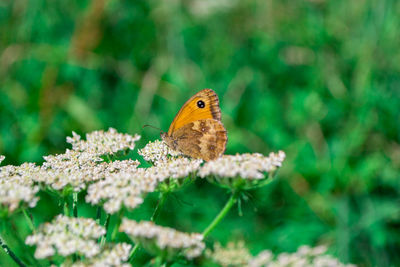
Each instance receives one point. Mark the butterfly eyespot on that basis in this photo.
(201, 104)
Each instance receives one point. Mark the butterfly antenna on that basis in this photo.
(147, 125)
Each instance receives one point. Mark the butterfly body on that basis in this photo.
(197, 130)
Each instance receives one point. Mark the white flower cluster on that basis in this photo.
(116, 256)
(264, 258)
(71, 168)
(128, 187)
(169, 240)
(2, 158)
(246, 166)
(17, 185)
(304, 256)
(117, 166)
(235, 254)
(157, 151)
(238, 255)
(65, 236)
(175, 168)
(100, 143)
(82, 164)
(77, 169)
(124, 188)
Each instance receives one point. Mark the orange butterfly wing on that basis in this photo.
(197, 130)
(203, 105)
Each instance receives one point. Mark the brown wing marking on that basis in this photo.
(204, 139)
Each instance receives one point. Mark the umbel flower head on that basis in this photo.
(76, 170)
(128, 188)
(157, 151)
(112, 256)
(164, 241)
(242, 171)
(17, 186)
(103, 143)
(83, 165)
(66, 236)
(236, 254)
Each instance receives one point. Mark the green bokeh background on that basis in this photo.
(318, 79)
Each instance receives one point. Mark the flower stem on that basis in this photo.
(66, 212)
(9, 252)
(117, 224)
(25, 257)
(74, 204)
(98, 214)
(104, 237)
(29, 220)
(160, 203)
(133, 251)
(232, 200)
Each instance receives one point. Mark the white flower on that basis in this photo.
(78, 169)
(246, 166)
(129, 187)
(235, 254)
(115, 256)
(242, 171)
(17, 185)
(262, 259)
(122, 188)
(305, 256)
(238, 255)
(66, 236)
(157, 151)
(83, 165)
(165, 239)
(101, 143)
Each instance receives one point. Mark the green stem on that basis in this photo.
(133, 251)
(104, 237)
(66, 212)
(74, 204)
(25, 257)
(117, 224)
(29, 220)
(232, 200)
(9, 252)
(160, 203)
(160, 262)
(98, 214)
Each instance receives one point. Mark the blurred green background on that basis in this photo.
(318, 79)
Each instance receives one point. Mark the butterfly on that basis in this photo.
(197, 130)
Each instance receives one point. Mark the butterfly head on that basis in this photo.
(163, 135)
(169, 140)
